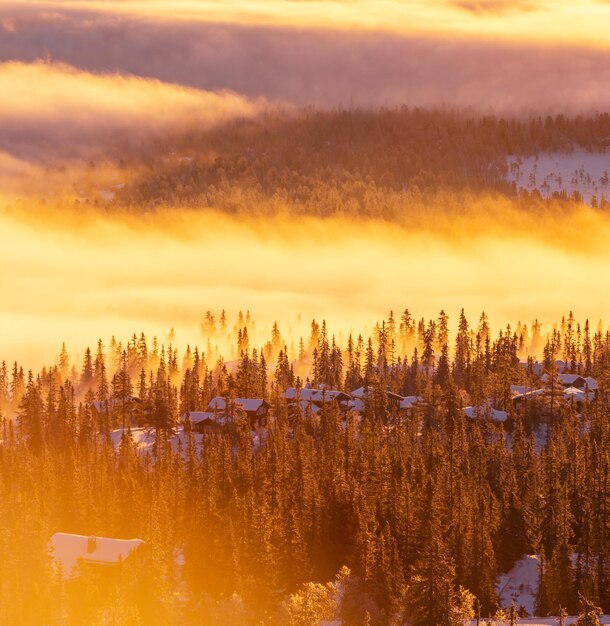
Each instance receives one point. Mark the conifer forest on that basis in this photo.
(304, 313)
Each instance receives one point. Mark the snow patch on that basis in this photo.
(520, 584)
(579, 171)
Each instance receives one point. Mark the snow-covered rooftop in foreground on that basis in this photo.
(202, 416)
(67, 549)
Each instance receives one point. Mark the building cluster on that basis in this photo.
(308, 401)
(550, 391)
(301, 402)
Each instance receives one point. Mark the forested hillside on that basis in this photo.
(366, 163)
(395, 507)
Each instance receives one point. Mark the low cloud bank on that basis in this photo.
(53, 112)
(318, 65)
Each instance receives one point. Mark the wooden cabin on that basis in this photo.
(203, 421)
(309, 401)
(256, 409)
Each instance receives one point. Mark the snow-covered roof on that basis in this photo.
(529, 394)
(565, 379)
(356, 405)
(578, 395)
(201, 416)
(537, 368)
(408, 401)
(67, 549)
(359, 393)
(591, 383)
(315, 395)
(219, 403)
(517, 390)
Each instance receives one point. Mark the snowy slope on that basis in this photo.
(585, 172)
(538, 621)
(520, 584)
(144, 438)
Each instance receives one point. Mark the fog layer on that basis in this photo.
(78, 276)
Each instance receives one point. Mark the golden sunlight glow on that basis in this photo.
(90, 275)
(550, 21)
(42, 96)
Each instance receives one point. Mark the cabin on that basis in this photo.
(256, 409)
(568, 380)
(394, 399)
(299, 398)
(203, 421)
(591, 383)
(409, 404)
(531, 396)
(576, 396)
(69, 551)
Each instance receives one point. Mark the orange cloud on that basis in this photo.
(494, 7)
(564, 21)
(332, 67)
(54, 111)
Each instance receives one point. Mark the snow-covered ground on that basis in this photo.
(144, 438)
(520, 584)
(537, 621)
(585, 172)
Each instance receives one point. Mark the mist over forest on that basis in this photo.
(304, 313)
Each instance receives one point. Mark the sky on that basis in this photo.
(88, 80)
(501, 54)
(551, 21)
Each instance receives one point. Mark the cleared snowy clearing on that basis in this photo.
(144, 438)
(537, 621)
(578, 171)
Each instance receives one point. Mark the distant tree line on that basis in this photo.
(369, 163)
